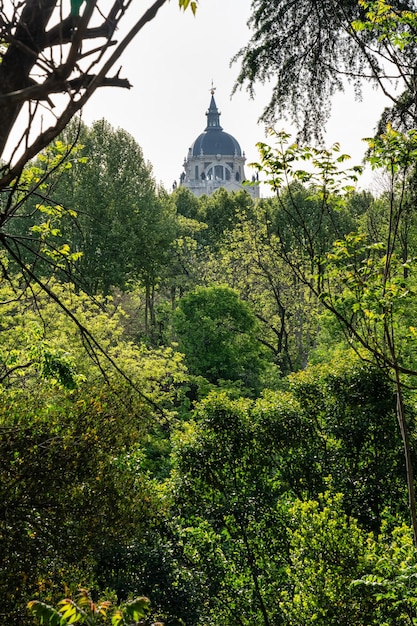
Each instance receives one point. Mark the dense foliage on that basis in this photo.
(240, 463)
(210, 402)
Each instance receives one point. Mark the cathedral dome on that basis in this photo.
(214, 141)
(215, 160)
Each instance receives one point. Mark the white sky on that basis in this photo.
(171, 65)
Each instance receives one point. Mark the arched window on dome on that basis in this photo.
(218, 172)
(196, 172)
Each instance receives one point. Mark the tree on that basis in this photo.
(48, 47)
(70, 487)
(73, 477)
(227, 507)
(220, 211)
(216, 331)
(123, 226)
(357, 442)
(367, 284)
(246, 259)
(327, 552)
(312, 48)
(392, 559)
(364, 284)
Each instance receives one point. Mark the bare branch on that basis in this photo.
(29, 40)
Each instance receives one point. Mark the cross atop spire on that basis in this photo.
(213, 114)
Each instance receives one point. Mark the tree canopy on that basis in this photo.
(309, 50)
(240, 445)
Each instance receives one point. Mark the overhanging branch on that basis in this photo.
(75, 105)
(50, 86)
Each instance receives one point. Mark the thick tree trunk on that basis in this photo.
(20, 57)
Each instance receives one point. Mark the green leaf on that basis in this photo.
(138, 608)
(184, 4)
(117, 618)
(45, 613)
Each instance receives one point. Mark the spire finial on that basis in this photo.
(213, 114)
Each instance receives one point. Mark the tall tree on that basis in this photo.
(123, 225)
(310, 49)
(364, 284)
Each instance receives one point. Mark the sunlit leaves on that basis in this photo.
(281, 165)
(33, 221)
(135, 610)
(393, 560)
(45, 613)
(185, 4)
(83, 610)
(367, 284)
(40, 341)
(326, 554)
(390, 24)
(376, 294)
(393, 150)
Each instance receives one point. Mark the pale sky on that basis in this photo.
(172, 64)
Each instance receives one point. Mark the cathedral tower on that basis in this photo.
(215, 160)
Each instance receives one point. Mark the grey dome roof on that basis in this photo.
(214, 140)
